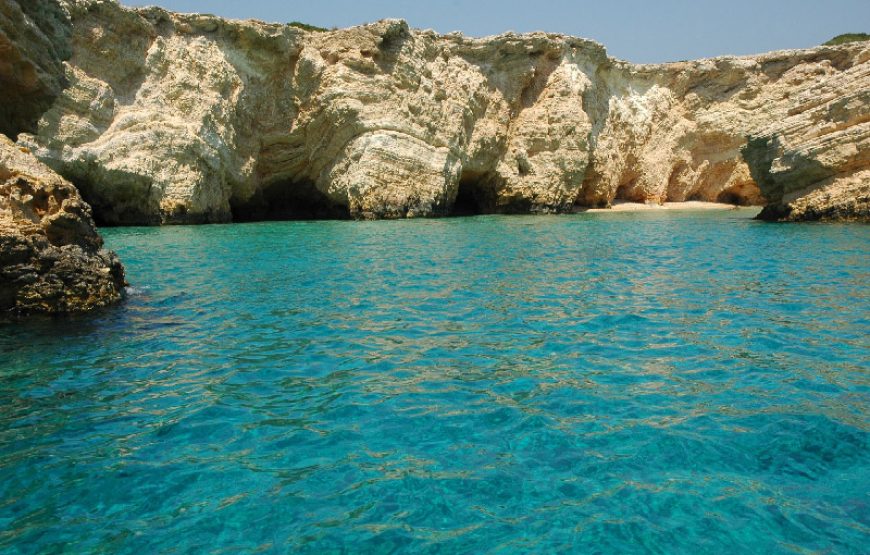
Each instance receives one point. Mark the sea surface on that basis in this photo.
(659, 382)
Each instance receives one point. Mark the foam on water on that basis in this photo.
(665, 382)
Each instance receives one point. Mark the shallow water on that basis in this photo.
(659, 382)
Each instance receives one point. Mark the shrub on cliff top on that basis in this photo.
(307, 27)
(846, 38)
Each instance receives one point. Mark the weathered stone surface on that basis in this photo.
(50, 257)
(814, 164)
(173, 118)
(34, 39)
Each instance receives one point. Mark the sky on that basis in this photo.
(642, 31)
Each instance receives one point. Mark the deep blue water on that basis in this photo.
(665, 382)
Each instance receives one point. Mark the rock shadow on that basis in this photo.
(288, 200)
(802, 174)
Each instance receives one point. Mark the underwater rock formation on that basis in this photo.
(171, 118)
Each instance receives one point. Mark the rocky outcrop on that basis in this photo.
(814, 164)
(171, 118)
(50, 253)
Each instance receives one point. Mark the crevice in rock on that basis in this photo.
(390, 46)
(288, 200)
(532, 92)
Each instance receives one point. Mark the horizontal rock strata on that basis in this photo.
(50, 253)
(170, 118)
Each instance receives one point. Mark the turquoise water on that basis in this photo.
(666, 383)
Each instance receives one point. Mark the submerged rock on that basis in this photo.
(172, 118)
(50, 252)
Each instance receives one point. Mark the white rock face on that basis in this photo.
(187, 118)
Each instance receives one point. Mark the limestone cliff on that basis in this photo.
(171, 118)
(50, 253)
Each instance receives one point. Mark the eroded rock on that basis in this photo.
(814, 164)
(172, 118)
(50, 252)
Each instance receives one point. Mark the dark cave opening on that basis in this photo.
(733, 197)
(127, 202)
(627, 191)
(474, 196)
(288, 200)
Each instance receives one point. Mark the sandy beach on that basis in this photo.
(641, 206)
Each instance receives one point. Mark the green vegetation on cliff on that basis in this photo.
(307, 27)
(846, 38)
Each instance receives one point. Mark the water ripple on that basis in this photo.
(668, 383)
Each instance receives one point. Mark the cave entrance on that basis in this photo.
(288, 200)
(475, 195)
(746, 194)
(128, 201)
(731, 197)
